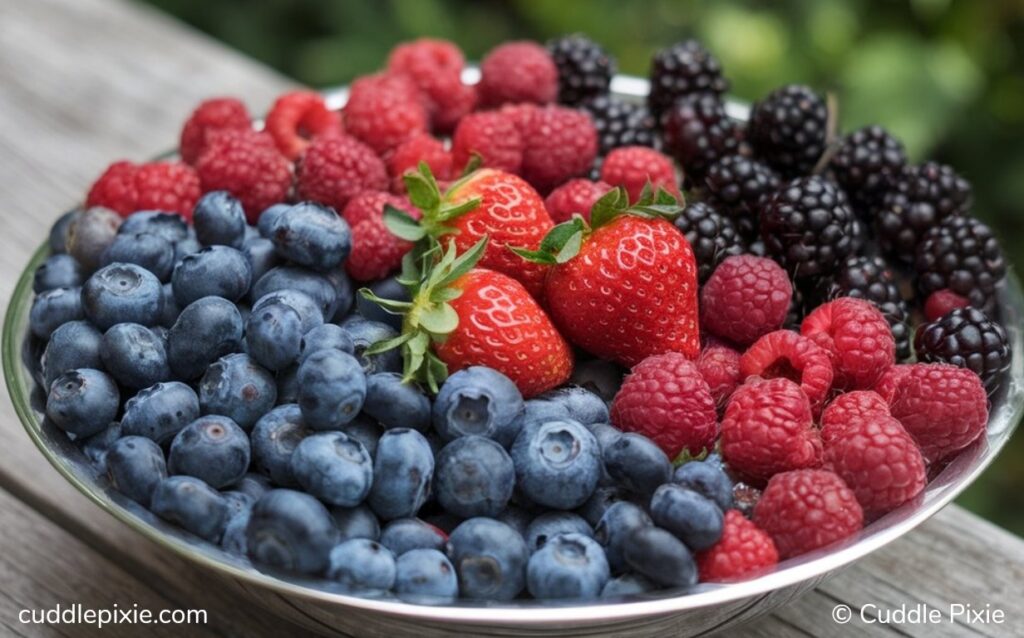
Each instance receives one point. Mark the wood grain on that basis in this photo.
(83, 82)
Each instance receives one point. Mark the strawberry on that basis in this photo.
(484, 203)
(623, 287)
(461, 315)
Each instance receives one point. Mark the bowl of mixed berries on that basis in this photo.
(520, 347)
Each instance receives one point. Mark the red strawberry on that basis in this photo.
(463, 316)
(623, 287)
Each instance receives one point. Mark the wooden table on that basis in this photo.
(83, 82)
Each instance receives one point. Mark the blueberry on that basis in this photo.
(135, 465)
(302, 303)
(216, 271)
(362, 564)
(385, 289)
(290, 277)
(274, 438)
(490, 559)
(406, 534)
(517, 517)
(134, 355)
(83, 401)
(237, 387)
(356, 522)
(58, 271)
(311, 235)
(54, 308)
(474, 477)
(261, 255)
(75, 344)
(402, 470)
(273, 336)
(288, 385)
(122, 293)
(185, 247)
(212, 448)
(567, 566)
(627, 585)
(637, 463)
(425, 576)
(396, 404)
(603, 497)
(255, 485)
(96, 446)
(557, 463)
(366, 333)
(708, 479)
(161, 411)
(326, 337)
(268, 217)
(478, 400)
(605, 434)
(170, 308)
(331, 390)
(191, 504)
(366, 431)
(581, 404)
(601, 377)
(551, 524)
(58, 238)
(205, 331)
(334, 468)
(169, 226)
(694, 519)
(237, 502)
(344, 293)
(615, 529)
(661, 557)
(291, 530)
(219, 219)
(89, 234)
(233, 538)
(146, 250)
(536, 411)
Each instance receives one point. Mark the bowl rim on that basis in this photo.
(941, 490)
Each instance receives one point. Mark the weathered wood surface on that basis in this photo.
(83, 82)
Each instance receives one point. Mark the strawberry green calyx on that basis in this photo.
(429, 318)
(563, 242)
(437, 209)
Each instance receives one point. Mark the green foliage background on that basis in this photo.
(946, 76)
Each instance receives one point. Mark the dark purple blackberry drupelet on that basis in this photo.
(584, 68)
(871, 278)
(963, 255)
(738, 186)
(698, 133)
(685, 68)
(712, 236)
(621, 123)
(866, 163)
(967, 338)
(788, 129)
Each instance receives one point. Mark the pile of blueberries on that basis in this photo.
(216, 374)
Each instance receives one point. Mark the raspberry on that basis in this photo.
(494, 136)
(745, 298)
(419, 148)
(375, 251)
(435, 66)
(784, 353)
(211, 115)
(768, 428)
(744, 549)
(247, 165)
(633, 166)
(666, 399)
(384, 110)
(943, 407)
(298, 116)
(574, 196)
(848, 408)
(126, 187)
(558, 143)
(335, 169)
(857, 338)
(804, 510)
(878, 460)
(720, 366)
(517, 72)
(943, 302)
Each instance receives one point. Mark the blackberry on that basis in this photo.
(921, 197)
(961, 254)
(866, 163)
(698, 133)
(685, 68)
(584, 68)
(871, 279)
(967, 338)
(808, 227)
(739, 186)
(621, 123)
(711, 234)
(788, 129)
